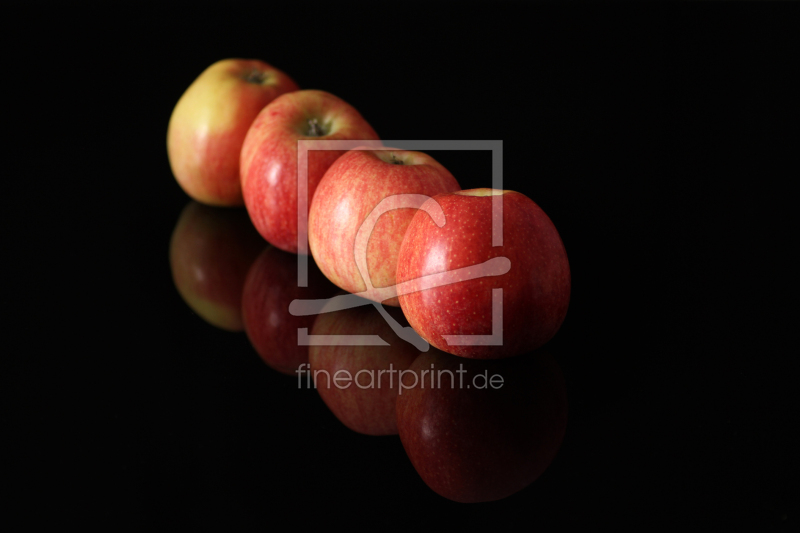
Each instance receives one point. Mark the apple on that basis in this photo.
(269, 162)
(478, 430)
(209, 123)
(360, 383)
(535, 284)
(210, 252)
(270, 286)
(348, 192)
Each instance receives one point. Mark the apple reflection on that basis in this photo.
(359, 383)
(270, 287)
(210, 252)
(481, 430)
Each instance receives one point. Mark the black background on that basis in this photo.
(655, 138)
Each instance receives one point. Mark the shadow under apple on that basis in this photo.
(210, 252)
(270, 287)
(479, 430)
(359, 383)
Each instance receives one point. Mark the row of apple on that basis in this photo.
(480, 273)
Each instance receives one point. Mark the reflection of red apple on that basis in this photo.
(473, 444)
(269, 157)
(535, 291)
(210, 252)
(209, 123)
(270, 287)
(366, 401)
(356, 183)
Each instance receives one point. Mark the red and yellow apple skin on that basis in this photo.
(536, 289)
(473, 441)
(210, 253)
(209, 124)
(369, 406)
(269, 157)
(351, 188)
(270, 287)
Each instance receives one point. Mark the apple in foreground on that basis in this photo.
(209, 124)
(210, 253)
(535, 287)
(479, 431)
(270, 287)
(269, 158)
(350, 190)
(360, 383)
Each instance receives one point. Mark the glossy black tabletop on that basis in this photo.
(648, 135)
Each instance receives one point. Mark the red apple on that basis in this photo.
(269, 162)
(270, 287)
(210, 252)
(479, 431)
(359, 383)
(533, 302)
(209, 123)
(350, 190)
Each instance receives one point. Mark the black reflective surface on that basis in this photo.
(652, 137)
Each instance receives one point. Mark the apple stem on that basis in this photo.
(396, 161)
(255, 76)
(315, 128)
